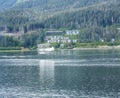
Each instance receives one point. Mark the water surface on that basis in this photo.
(60, 74)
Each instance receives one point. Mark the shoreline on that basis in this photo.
(98, 48)
(77, 48)
(22, 50)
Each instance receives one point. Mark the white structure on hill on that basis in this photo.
(72, 32)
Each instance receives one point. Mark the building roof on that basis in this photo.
(54, 32)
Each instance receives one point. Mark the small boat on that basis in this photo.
(45, 48)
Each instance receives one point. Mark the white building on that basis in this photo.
(57, 39)
(50, 33)
(72, 32)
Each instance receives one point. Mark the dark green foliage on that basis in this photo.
(10, 48)
(6, 41)
(55, 45)
(27, 40)
(30, 40)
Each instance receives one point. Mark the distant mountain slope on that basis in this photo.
(39, 9)
(58, 4)
(47, 4)
(42, 9)
(59, 13)
(100, 15)
(7, 4)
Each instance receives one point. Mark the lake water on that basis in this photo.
(60, 74)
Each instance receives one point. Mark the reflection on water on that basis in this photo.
(61, 74)
(47, 72)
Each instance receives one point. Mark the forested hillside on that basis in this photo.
(95, 23)
(32, 17)
(95, 19)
